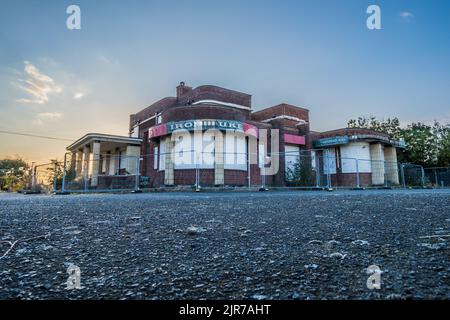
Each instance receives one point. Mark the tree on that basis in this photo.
(55, 172)
(301, 173)
(13, 174)
(389, 126)
(427, 145)
(444, 152)
(422, 143)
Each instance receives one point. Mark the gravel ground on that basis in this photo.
(276, 245)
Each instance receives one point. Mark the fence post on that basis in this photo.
(136, 179)
(55, 176)
(436, 178)
(316, 160)
(33, 176)
(423, 176)
(263, 178)
(328, 169)
(64, 174)
(197, 172)
(249, 173)
(85, 174)
(262, 166)
(402, 171)
(358, 183)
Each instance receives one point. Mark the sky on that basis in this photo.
(128, 54)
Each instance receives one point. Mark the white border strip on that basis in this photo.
(226, 104)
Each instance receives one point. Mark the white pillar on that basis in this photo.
(169, 179)
(390, 155)
(95, 163)
(377, 163)
(79, 164)
(71, 165)
(86, 162)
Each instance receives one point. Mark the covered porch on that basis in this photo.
(98, 159)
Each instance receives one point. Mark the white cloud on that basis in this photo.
(45, 117)
(406, 15)
(30, 101)
(78, 95)
(38, 85)
(108, 60)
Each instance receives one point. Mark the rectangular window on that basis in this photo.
(193, 150)
(162, 155)
(313, 159)
(208, 145)
(155, 158)
(158, 118)
(135, 132)
(329, 161)
(235, 151)
(261, 156)
(338, 158)
(353, 152)
(291, 158)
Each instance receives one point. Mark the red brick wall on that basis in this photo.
(209, 92)
(282, 109)
(204, 112)
(186, 177)
(349, 179)
(150, 111)
(236, 178)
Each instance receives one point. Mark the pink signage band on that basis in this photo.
(157, 131)
(162, 130)
(293, 139)
(251, 130)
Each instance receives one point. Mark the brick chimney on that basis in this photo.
(182, 89)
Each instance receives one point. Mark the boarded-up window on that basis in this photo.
(235, 151)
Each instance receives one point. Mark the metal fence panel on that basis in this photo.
(307, 169)
(437, 177)
(108, 173)
(412, 175)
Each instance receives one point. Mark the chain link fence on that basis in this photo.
(326, 171)
(108, 173)
(438, 177)
(312, 169)
(412, 175)
(43, 178)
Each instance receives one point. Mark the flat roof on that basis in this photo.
(87, 138)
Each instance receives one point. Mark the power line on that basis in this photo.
(34, 135)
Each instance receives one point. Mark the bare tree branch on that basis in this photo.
(12, 244)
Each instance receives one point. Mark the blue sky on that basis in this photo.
(128, 54)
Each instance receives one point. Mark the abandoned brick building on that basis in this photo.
(240, 156)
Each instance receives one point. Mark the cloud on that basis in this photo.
(108, 60)
(406, 15)
(78, 95)
(37, 84)
(45, 117)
